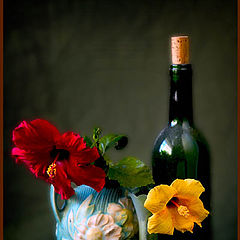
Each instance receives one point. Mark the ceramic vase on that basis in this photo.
(110, 214)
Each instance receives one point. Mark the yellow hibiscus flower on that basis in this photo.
(176, 206)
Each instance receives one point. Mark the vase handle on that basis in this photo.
(58, 212)
(142, 214)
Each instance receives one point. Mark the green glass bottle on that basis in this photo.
(180, 150)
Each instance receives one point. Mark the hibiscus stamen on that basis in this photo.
(182, 210)
(51, 171)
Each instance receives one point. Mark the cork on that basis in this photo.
(180, 50)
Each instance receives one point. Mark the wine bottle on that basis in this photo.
(180, 150)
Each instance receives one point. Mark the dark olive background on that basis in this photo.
(81, 64)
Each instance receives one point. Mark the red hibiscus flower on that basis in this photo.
(55, 158)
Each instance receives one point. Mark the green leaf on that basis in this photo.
(88, 141)
(107, 159)
(130, 172)
(112, 140)
(96, 133)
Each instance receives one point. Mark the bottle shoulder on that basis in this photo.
(179, 137)
(174, 131)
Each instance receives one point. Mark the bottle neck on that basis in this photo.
(181, 93)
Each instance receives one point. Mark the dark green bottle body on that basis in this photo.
(180, 151)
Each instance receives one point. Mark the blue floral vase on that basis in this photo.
(110, 214)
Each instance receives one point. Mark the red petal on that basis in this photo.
(37, 135)
(36, 163)
(71, 141)
(86, 156)
(61, 183)
(76, 146)
(89, 175)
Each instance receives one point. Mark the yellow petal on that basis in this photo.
(161, 222)
(197, 210)
(158, 197)
(181, 223)
(188, 187)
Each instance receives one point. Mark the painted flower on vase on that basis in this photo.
(176, 206)
(98, 227)
(124, 215)
(58, 159)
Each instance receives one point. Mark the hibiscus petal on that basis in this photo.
(36, 163)
(180, 222)
(158, 197)
(61, 183)
(86, 156)
(197, 210)
(71, 141)
(36, 135)
(188, 187)
(76, 146)
(89, 175)
(161, 222)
